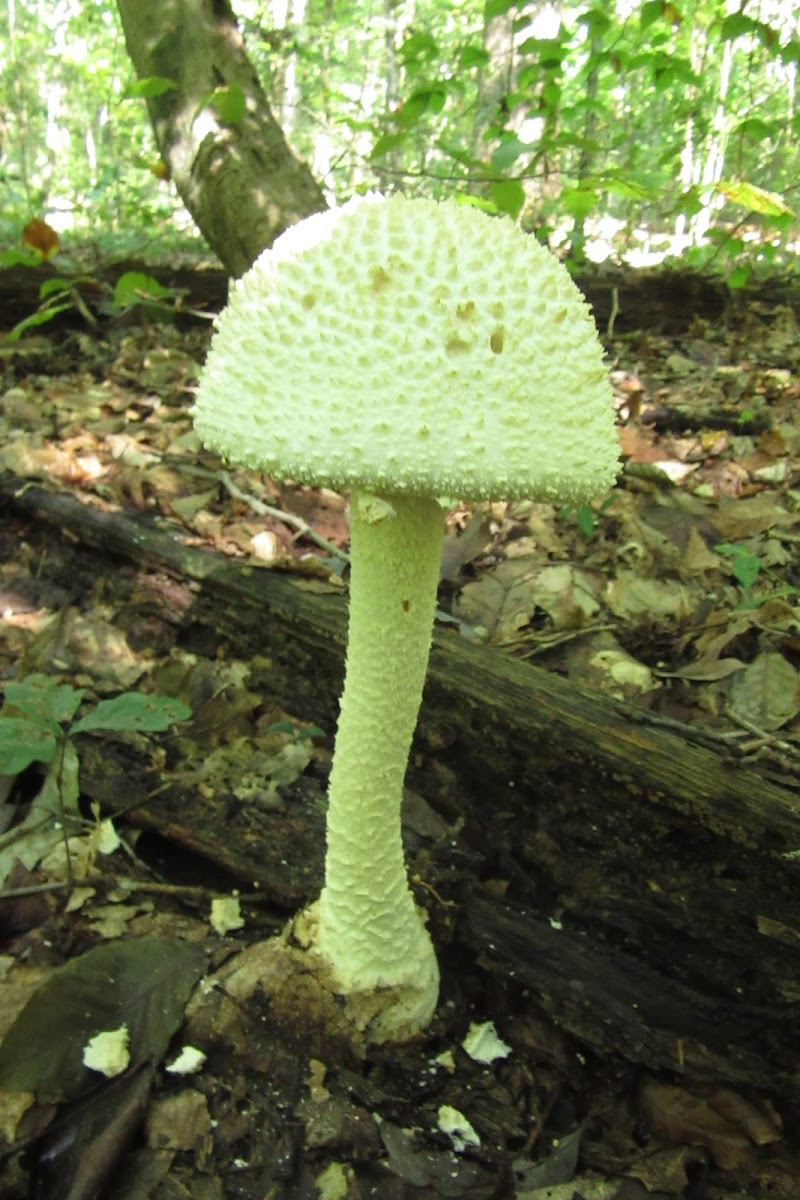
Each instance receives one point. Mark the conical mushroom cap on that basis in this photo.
(410, 346)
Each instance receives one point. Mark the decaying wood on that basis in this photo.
(205, 290)
(662, 302)
(642, 885)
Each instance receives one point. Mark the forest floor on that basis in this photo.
(678, 593)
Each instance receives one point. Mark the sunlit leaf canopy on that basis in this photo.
(668, 126)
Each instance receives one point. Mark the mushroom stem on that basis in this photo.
(369, 928)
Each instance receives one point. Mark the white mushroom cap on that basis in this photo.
(410, 346)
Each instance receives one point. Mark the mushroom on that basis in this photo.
(409, 350)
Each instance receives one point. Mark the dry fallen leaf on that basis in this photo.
(630, 596)
(501, 601)
(718, 1118)
(767, 692)
(458, 550)
(178, 1122)
(738, 519)
(40, 236)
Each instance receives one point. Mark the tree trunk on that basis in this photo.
(241, 182)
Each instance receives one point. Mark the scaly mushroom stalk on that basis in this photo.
(369, 926)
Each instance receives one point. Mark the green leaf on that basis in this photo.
(731, 245)
(596, 21)
(690, 202)
(134, 286)
(473, 56)
(789, 52)
(752, 197)
(650, 12)
(745, 566)
(550, 97)
(152, 86)
(629, 189)
(134, 711)
(17, 258)
(673, 70)
(54, 286)
(23, 742)
(281, 727)
(782, 222)
(478, 202)
(43, 699)
(754, 128)
(38, 318)
(735, 25)
(418, 47)
(509, 196)
(311, 731)
(412, 111)
(143, 983)
(386, 143)
(738, 277)
(578, 202)
(230, 102)
(552, 54)
(496, 8)
(586, 521)
(421, 101)
(437, 98)
(508, 152)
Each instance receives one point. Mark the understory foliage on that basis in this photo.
(665, 126)
(38, 723)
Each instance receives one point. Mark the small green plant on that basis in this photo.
(585, 516)
(37, 724)
(746, 568)
(299, 733)
(37, 719)
(744, 564)
(63, 292)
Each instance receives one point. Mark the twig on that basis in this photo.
(533, 642)
(763, 745)
(35, 889)
(266, 510)
(153, 887)
(187, 891)
(124, 883)
(612, 316)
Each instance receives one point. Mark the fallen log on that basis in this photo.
(626, 871)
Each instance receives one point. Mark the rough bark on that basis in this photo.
(639, 882)
(242, 183)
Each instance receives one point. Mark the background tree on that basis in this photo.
(633, 127)
(214, 127)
